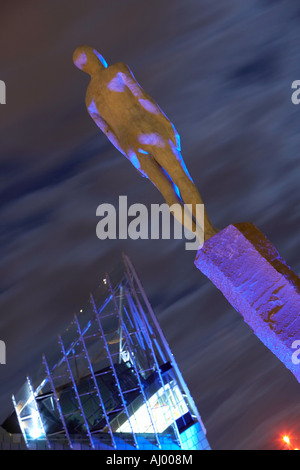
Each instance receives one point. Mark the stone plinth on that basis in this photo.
(249, 271)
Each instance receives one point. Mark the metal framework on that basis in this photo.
(112, 379)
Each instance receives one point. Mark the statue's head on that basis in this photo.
(89, 60)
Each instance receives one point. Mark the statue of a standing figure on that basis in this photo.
(138, 128)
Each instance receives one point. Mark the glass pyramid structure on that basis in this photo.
(111, 381)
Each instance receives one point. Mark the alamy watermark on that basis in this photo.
(2, 92)
(2, 352)
(296, 354)
(136, 222)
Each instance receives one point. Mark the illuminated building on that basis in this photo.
(111, 381)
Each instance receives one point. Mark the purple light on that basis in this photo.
(151, 139)
(151, 107)
(116, 84)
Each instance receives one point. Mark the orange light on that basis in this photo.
(286, 439)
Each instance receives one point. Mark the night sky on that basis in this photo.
(222, 72)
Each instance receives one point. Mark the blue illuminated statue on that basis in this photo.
(138, 128)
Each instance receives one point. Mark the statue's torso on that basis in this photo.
(117, 105)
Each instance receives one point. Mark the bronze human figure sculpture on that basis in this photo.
(239, 259)
(138, 128)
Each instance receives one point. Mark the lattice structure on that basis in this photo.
(112, 381)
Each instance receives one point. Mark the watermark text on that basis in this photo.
(136, 222)
(2, 92)
(2, 352)
(296, 354)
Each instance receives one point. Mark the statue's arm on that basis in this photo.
(104, 126)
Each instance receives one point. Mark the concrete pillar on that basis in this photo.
(249, 271)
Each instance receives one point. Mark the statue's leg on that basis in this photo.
(171, 160)
(165, 186)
